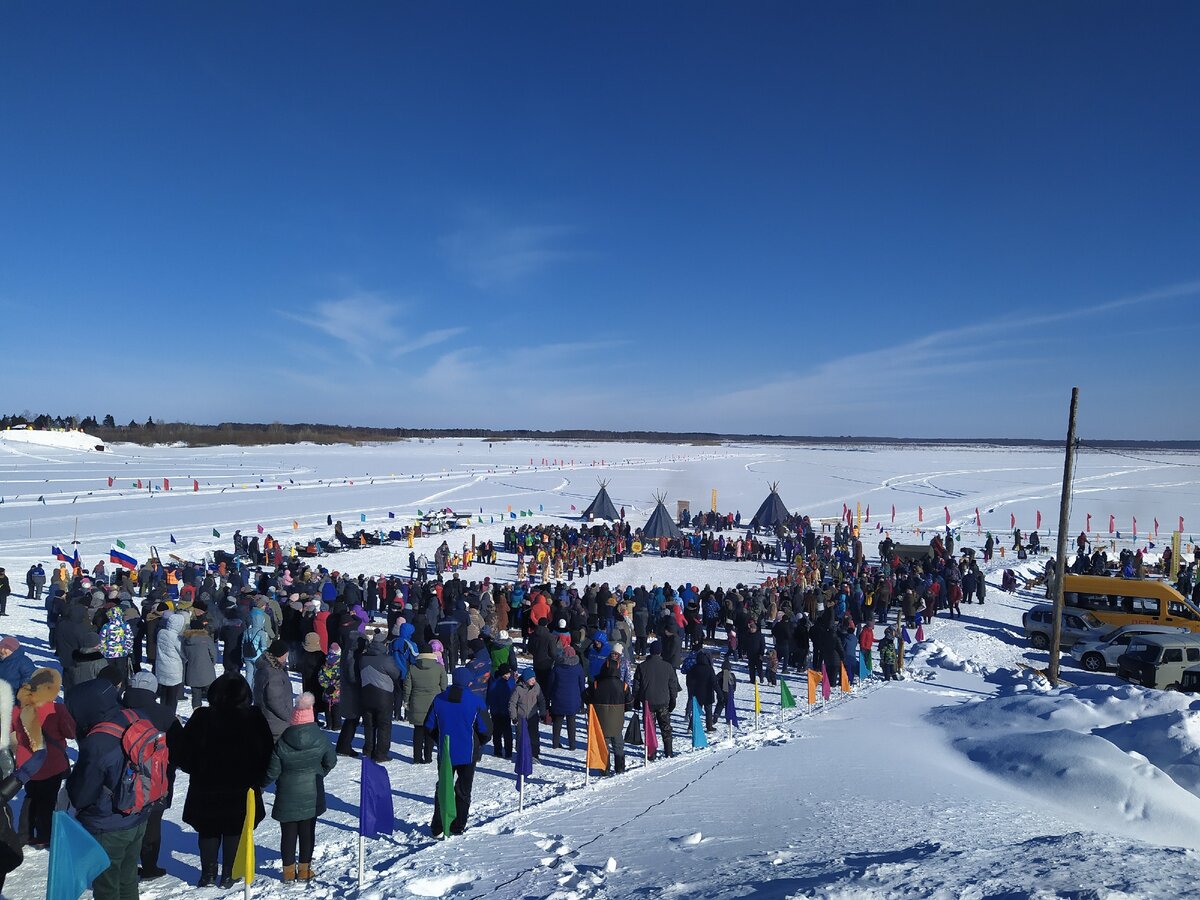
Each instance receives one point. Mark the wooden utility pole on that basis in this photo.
(1060, 563)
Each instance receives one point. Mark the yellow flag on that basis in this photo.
(243, 862)
(597, 748)
(757, 704)
(845, 681)
(295, 524)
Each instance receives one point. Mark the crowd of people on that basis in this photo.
(257, 677)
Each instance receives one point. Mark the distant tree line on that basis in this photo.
(255, 433)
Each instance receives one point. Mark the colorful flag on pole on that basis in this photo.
(845, 680)
(120, 544)
(651, 731)
(825, 689)
(173, 541)
(757, 701)
(362, 517)
(391, 515)
(295, 525)
(868, 513)
(893, 513)
(920, 514)
(947, 509)
(243, 861)
(786, 700)
(447, 805)
(731, 715)
(216, 533)
(75, 861)
(814, 679)
(195, 485)
(376, 816)
(523, 758)
(864, 671)
(122, 559)
(978, 520)
(1039, 519)
(1012, 520)
(1112, 524)
(699, 739)
(597, 746)
(260, 529)
(1089, 522)
(110, 481)
(166, 484)
(1156, 526)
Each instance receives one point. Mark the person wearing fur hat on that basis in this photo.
(299, 763)
(15, 667)
(529, 703)
(41, 727)
(273, 688)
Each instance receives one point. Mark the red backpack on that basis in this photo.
(144, 781)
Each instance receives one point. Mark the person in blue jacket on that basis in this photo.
(95, 780)
(565, 695)
(15, 667)
(461, 716)
(499, 692)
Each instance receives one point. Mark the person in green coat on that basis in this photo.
(302, 758)
(426, 679)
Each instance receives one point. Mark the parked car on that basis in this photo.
(1191, 680)
(1077, 625)
(1096, 656)
(1159, 660)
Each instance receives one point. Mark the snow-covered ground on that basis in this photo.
(968, 779)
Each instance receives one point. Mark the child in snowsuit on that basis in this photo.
(887, 654)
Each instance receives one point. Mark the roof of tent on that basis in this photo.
(772, 512)
(660, 523)
(602, 507)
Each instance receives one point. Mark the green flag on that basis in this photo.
(121, 544)
(216, 533)
(786, 700)
(447, 805)
(419, 513)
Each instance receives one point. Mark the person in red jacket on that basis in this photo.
(41, 726)
(866, 643)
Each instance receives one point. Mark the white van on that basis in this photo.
(1096, 656)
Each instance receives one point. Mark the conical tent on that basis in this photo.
(772, 512)
(602, 507)
(660, 523)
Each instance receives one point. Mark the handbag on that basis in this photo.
(633, 734)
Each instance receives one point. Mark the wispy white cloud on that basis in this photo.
(370, 326)
(493, 253)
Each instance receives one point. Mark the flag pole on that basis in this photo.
(361, 854)
(587, 753)
(521, 793)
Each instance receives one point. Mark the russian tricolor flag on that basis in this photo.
(59, 555)
(122, 559)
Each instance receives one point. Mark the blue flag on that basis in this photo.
(76, 858)
(173, 541)
(699, 738)
(523, 758)
(375, 814)
(730, 710)
(513, 515)
(362, 517)
(391, 515)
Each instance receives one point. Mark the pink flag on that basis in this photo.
(1012, 520)
(166, 484)
(824, 682)
(651, 734)
(1156, 526)
(1039, 519)
(920, 514)
(195, 485)
(978, 521)
(868, 512)
(110, 484)
(1112, 524)
(947, 509)
(1135, 528)
(260, 529)
(1181, 523)
(920, 632)
(1089, 522)
(893, 513)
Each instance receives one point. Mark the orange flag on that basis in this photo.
(814, 678)
(845, 681)
(597, 749)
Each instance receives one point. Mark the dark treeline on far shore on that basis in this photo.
(255, 433)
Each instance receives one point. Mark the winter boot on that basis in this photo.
(620, 763)
(208, 876)
(305, 872)
(289, 873)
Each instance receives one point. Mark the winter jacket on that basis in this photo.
(116, 637)
(273, 693)
(527, 701)
(567, 684)
(597, 656)
(458, 714)
(656, 683)
(41, 726)
(16, 669)
(299, 763)
(379, 677)
(168, 662)
(702, 679)
(255, 640)
(199, 653)
(543, 647)
(426, 680)
(225, 748)
(71, 633)
(101, 763)
(610, 697)
(498, 693)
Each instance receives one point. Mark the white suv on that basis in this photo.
(1077, 625)
(1096, 656)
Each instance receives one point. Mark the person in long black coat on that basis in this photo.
(827, 649)
(225, 748)
(702, 684)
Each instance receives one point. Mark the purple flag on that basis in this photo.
(731, 715)
(375, 814)
(651, 733)
(824, 682)
(904, 636)
(524, 755)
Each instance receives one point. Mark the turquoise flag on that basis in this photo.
(864, 671)
(75, 859)
(699, 738)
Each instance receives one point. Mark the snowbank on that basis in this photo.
(62, 440)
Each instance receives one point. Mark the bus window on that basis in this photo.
(1147, 606)
(1181, 611)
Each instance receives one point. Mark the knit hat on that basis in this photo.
(562, 623)
(312, 642)
(11, 644)
(569, 652)
(528, 675)
(302, 714)
(617, 648)
(655, 648)
(278, 648)
(504, 635)
(144, 681)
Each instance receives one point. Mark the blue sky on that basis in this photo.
(925, 219)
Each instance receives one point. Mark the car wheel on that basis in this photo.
(1093, 662)
(1173, 686)
(1039, 641)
